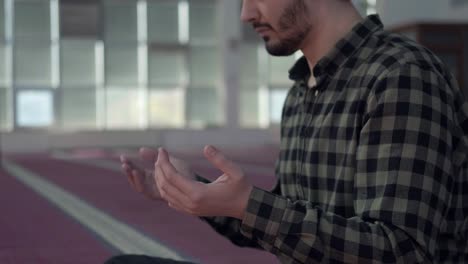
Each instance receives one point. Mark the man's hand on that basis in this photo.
(227, 196)
(143, 181)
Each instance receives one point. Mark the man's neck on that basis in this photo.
(321, 39)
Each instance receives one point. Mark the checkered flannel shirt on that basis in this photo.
(373, 160)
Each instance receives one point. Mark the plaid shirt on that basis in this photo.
(373, 160)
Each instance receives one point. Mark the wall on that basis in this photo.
(173, 139)
(396, 12)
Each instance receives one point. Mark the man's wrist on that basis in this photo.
(244, 201)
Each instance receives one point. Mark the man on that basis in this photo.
(373, 162)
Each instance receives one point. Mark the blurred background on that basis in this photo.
(83, 81)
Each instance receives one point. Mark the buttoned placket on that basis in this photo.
(307, 110)
(302, 96)
(305, 117)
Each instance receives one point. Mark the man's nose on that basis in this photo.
(249, 11)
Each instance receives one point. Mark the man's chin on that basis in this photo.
(278, 49)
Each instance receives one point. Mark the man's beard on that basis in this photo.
(294, 18)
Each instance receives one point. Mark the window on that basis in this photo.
(2, 20)
(4, 109)
(79, 19)
(168, 62)
(78, 62)
(203, 95)
(203, 22)
(3, 64)
(163, 19)
(264, 85)
(5, 70)
(365, 7)
(121, 65)
(32, 19)
(34, 108)
(277, 97)
(120, 21)
(167, 67)
(113, 64)
(33, 64)
(78, 108)
(204, 66)
(203, 107)
(371, 7)
(80, 65)
(249, 97)
(124, 66)
(33, 49)
(124, 108)
(167, 108)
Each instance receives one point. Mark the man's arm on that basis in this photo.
(229, 227)
(403, 184)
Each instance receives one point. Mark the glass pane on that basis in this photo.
(120, 21)
(78, 62)
(203, 107)
(203, 22)
(279, 69)
(249, 108)
(204, 66)
(124, 108)
(167, 67)
(79, 19)
(250, 66)
(32, 64)
(78, 108)
(163, 23)
(2, 20)
(3, 73)
(121, 65)
(166, 107)
(4, 109)
(249, 34)
(34, 108)
(32, 19)
(277, 98)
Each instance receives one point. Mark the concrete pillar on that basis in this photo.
(230, 23)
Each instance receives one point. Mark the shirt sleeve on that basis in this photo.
(229, 227)
(403, 184)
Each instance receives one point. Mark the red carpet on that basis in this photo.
(33, 231)
(109, 191)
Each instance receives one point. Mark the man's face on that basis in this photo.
(283, 24)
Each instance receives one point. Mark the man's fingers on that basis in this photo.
(171, 173)
(137, 179)
(123, 159)
(129, 166)
(126, 161)
(168, 191)
(126, 170)
(163, 160)
(148, 154)
(180, 182)
(220, 161)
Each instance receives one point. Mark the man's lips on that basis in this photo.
(262, 30)
(261, 27)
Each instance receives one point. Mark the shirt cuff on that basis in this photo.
(263, 216)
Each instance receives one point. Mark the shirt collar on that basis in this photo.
(328, 65)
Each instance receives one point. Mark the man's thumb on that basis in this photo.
(220, 161)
